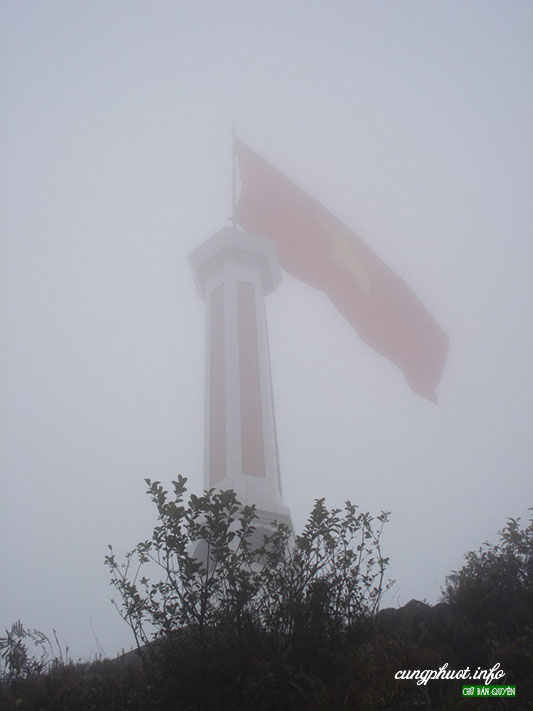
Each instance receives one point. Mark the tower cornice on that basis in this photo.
(232, 245)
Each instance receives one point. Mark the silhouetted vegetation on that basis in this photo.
(229, 616)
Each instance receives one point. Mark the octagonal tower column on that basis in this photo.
(233, 272)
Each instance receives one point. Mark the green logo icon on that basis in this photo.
(489, 691)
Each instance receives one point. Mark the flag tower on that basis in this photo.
(234, 271)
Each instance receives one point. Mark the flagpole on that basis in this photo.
(233, 179)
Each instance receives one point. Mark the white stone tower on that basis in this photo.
(233, 272)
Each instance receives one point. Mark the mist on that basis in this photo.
(411, 122)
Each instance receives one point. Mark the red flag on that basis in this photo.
(316, 247)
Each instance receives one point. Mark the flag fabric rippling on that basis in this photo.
(316, 247)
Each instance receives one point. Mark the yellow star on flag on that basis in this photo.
(343, 254)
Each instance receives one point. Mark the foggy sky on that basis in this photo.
(410, 121)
